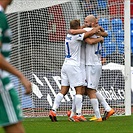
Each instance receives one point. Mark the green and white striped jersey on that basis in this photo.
(5, 47)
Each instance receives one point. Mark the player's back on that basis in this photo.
(73, 49)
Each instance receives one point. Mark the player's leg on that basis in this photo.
(108, 110)
(18, 127)
(77, 82)
(72, 112)
(60, 95)
(57, 101)
(93, 75)
(94, 102)
(10, 112)
(78, 103)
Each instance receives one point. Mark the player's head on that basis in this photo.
(75, 24)
(90, 21)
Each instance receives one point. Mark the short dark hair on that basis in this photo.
(74, 24)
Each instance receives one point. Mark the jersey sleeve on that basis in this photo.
(3, 23)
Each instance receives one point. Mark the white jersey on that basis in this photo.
(82, 55)
(73, 49)
(92, 52)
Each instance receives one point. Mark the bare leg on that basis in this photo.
(15, 128)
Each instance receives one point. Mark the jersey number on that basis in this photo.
(68, 50)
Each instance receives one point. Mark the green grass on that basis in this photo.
(120, 124)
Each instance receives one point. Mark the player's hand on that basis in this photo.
(97, 29)
(102, 39)
(101, 29)
(27, 84)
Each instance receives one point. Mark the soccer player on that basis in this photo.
(93, 71)
(101, 32)
(10, 109)
(71, 74)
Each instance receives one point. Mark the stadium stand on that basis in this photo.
(104, 22)
(110, 2)
(117, 25)
(102, 4)
(110, 48)
(120, 47)
(109, 37)
(119, 36)
(113, 10)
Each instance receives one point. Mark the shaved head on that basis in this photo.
(90, 20)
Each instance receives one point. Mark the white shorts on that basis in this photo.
(93, 73)
(71, 76)
(82, 66)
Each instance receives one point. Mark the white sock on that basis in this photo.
(78, 103)
(73, 110)
(95, 105)
(103, 101)
(57, 101)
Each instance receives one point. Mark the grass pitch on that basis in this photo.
(119, 124)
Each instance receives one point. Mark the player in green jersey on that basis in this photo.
(10, 109)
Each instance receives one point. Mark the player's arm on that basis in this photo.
(77, 31)
(87, 33)
(103, 60)
(4, 65)
(102, 33)
(93, 41)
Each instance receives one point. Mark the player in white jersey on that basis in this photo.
(71, 74)
(93, 72)
(82, 66)
(95, 59)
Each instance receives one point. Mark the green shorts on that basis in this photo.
(10, 109)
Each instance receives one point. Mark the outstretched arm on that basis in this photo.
(4, 65)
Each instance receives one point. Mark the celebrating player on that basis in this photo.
(71, 74)
(93, 60)
(93, 71)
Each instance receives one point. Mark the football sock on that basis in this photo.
(57, 101)
(78, 103)
(95, 105)
(103, 101)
